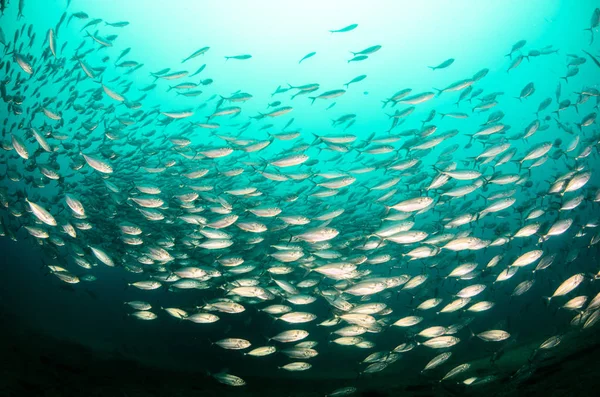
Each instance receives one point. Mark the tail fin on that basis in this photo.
(592, 33)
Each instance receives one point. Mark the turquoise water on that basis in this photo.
(152, 137)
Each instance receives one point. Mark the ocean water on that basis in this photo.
(331, 173)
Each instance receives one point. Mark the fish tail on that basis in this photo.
(471, 333)
(439, 92)
(592, 33)
(509, 56)
(312, 98)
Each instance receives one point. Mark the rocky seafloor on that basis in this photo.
(36, 364)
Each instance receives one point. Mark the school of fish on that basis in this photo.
(252, 210)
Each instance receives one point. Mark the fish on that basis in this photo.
(443, 65)
(309, 55)
(229, 379)
(356, 80)
(120, 24)
(345, 29)
(567, 286)
(495, 335)
(527, 91)
(358, 58)
(593, 58)
(516, 47)
(238, 57)
(594, 22)
(456, 86)
(328, 95)
(367, 51)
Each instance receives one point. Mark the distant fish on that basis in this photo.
(592, 58)
(239, 57)
(594, 22)
(117, 24)
(52, 42)
(328, 95)
(516, 47)
(356, 80)
(309, 55)
(358, 58)
(367, 51)
(345, 29)
(200, 69)
(201, 51)
(456, 86)
(527, 91)
(443, 65)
